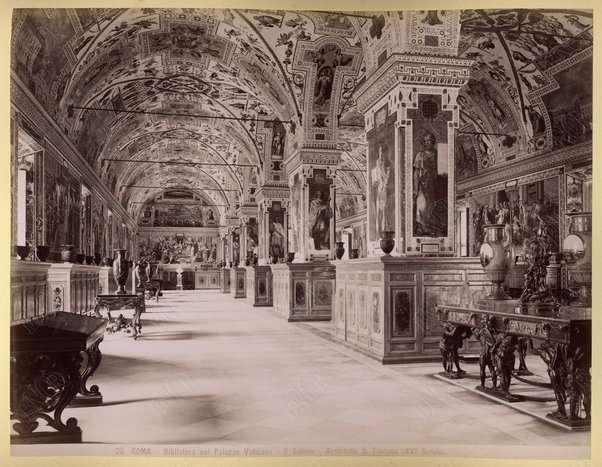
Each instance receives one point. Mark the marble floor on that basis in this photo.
(210, 372)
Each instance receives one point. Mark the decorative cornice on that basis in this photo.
(273, 193)
(31, 110)
(414, 70)
(538, 163)
(247, 211)
(232, 222)
(313, 156)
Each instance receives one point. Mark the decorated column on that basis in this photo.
(248, 230)
(327, 69)
(273, 224)
(385, 305)
(312, 208)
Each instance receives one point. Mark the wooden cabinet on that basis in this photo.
(72, 287)
(29, 295)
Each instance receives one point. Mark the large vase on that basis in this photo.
(23, 251)
(387, 242)
(577, 252)
(68, 253)
(42, 252)
(97, 258)
(121, 268)
(339, 251)
(496, 259)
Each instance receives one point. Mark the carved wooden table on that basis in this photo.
(152, 288)
(119, 302)
(564, 344)
(46, 356)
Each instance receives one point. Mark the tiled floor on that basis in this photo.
(212, 370)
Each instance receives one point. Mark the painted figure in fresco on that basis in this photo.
(235, 253)
(425, 176)
(323, 88)
(277, 145)
(210, 217)
(276, 239)
(213, 253)
(319, 222)
(380, 180)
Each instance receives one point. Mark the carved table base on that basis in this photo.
(45, 361)
(89, 397)
(499, 394)
(564, 344)
(118, 302)
(44, 383)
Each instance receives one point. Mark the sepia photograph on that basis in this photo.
(300, 234)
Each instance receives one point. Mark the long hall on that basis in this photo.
(209, 370)
(301, 229)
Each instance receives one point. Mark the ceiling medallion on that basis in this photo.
(180, 133)
(184, 84)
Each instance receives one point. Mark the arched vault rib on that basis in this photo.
(151, 147)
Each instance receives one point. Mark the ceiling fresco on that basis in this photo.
(215, 99)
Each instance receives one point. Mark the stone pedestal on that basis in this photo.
(224, 280)
(106, 281)
(206, 278)
(303, 291)
(72, 287)
(259, 285)
(386, 307)
(28, 289)
(238, 277)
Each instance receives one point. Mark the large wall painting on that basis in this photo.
(252, 237)
(320, 210)
(99, 241)
(295, 219)
(381, 173)
(430, 168)
(523, 210)
(277, 234)
(62, 206)
(570, 106)
(466, 158)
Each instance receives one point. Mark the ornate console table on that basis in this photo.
(563, 342)
(45, 373)
(118, 302)
(152, 288)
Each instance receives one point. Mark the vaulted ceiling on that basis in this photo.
(171, 98)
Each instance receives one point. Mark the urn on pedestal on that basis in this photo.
(23, 251)
(496, 259)
(121, 268)
(577, 252)
(339, 251)
(387, 241)
(42, 252)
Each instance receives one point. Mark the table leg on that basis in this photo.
(46, 383)
(89, 397)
